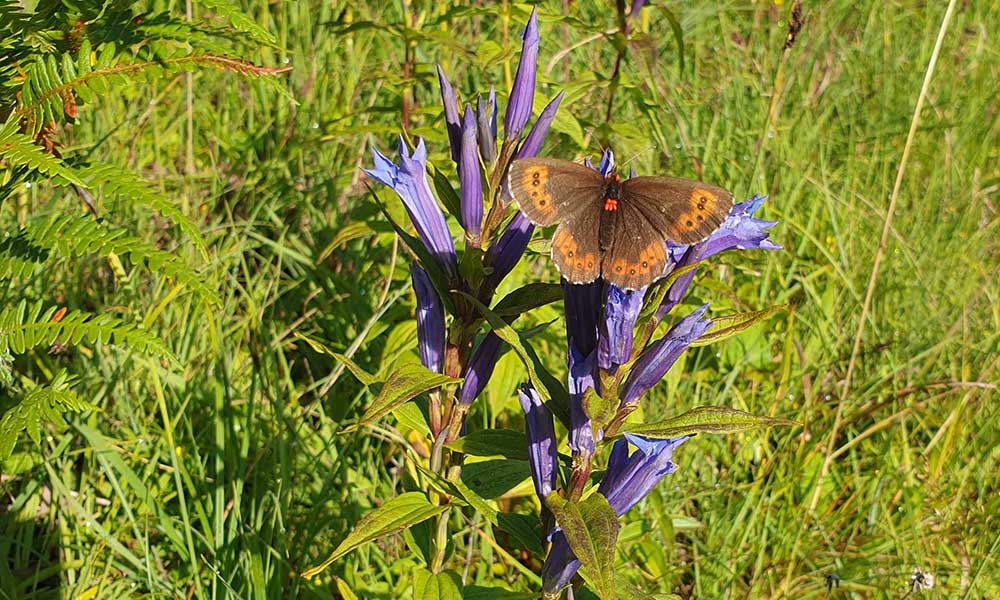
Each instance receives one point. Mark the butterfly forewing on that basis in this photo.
(682, 210)
(549, 190)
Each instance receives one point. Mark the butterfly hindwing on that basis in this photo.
(684, 211)
(576, 248)
(549, 189)
(637, 255)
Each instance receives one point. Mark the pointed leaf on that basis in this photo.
(591, 528)
(461, 493)
(525, 529)
(446, 192)
(492, 442)
(597, 409)
(528, 297)
(706, 419)
(729, 325)
(405, 383)
(439, 279)
(494, 478)
(360, 374)
(446, 585)
(399, 513)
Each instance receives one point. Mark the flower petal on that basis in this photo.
(469, 177)
(451, 117)
(504, 253)
(738, 231)
(409, 181)
(540, 432)
(430, 320)
(661, 354)
(621, 311)
(480, 369)
(533, 142)
(522, 94)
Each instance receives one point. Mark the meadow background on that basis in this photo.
(227, 475)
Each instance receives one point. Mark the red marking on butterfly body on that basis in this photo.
(610, 204)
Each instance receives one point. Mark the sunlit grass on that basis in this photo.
(228, 478)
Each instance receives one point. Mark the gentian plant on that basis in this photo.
(615, 354)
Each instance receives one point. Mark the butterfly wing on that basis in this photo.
(637, 255)
(549, 189)
(682, 210)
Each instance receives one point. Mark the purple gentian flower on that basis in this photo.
(621, 311)
(409, 181)
(469, 178)
(541, 435)
(738, 231)
(582, 304)
(522, 94)
(533, 143)
(430, 320)
(627, 480)
(507, 250)
(451, 118)
(661, 354)
(486, 127)
(480, 369)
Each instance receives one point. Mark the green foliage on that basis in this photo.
(40, 405)
(228, 476)
(55, 60)
(23, 327)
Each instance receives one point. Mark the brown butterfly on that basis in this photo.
(612, 228)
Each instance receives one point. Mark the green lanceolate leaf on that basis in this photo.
(730, 325)
(492, 442)
(461, 493)
(523, 528)
(360, 374)
(402, 511)
(528, 297)
(405, 383)
(591, 528)
(493, 478)
(599, 410)
(654, 297)
(707, 419)
(446, 193)
(446, 585)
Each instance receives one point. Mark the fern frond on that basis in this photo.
(239, 20)
(40, 405)
(115, 181)
(19, 150)
(75, 235)
(23, 327)
(19, 256)
(49, 85)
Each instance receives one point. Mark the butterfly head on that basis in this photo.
(611, 190)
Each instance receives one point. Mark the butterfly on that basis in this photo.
(613, 228)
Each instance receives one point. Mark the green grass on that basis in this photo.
(227, 477)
